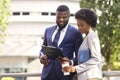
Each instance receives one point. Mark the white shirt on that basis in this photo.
(62, 35)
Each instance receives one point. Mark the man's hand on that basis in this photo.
(44, 60)
(63, 59)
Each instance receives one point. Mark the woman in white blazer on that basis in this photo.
(89, 55)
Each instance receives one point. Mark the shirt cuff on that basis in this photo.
(41, 54)
(72, 62)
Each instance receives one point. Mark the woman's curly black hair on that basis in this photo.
(87, 15)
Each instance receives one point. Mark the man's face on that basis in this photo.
(62, 18)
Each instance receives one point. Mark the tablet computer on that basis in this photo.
(52, 52)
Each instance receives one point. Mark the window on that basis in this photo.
(44, 13)
(16, 13)
(71, 14)
(25, 13)
(53, 14)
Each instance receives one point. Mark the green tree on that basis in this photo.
(4, 15)
(108, 28)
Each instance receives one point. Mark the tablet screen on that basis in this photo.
(52, 52)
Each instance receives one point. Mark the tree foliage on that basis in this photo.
(108, 27)
(4, 15)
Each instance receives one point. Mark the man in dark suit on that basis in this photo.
(69, 40)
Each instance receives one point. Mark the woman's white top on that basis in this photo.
(92, 68)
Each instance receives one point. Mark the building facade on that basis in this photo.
(25, 31)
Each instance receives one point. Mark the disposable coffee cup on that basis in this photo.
(64, 65)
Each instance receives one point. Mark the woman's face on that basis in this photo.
(83, 26)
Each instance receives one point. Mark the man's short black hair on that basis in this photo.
(88, 15)
(62, 8)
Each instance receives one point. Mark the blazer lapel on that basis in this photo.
(51, 33)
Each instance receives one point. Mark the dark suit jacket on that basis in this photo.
(69, 45)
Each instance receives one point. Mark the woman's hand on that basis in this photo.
(69, 69)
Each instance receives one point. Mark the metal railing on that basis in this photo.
(105, 74)
(20, 75)
(111, 73)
